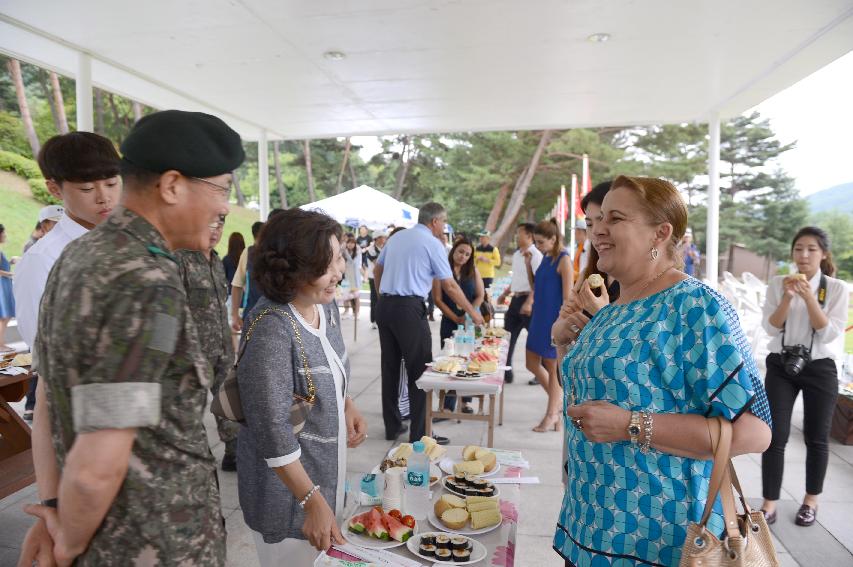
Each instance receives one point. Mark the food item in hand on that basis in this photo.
(485, 519)
(799, 276)
(447, 502)
(595, 281)
(469, 467)
(488, 459)
(404, 451)
(490, 504)
(455, 518)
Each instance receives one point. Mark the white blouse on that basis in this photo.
(829, 341)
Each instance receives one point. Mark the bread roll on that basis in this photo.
(469, 467)
(456, 518)
(436, 452)
(429, 443)
(485, 519)
(488, 459)
(469, 452)
(440, 507)
(595, 281)
(481, 506)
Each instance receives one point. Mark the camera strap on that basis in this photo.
(821, 300)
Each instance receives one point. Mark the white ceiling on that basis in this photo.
(434, 66)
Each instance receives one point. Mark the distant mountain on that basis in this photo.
(838, 198)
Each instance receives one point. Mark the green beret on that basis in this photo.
(194, 143)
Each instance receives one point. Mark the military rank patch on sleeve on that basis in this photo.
(164, 333)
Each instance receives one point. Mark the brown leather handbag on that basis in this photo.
(226, 403)
(746, 541)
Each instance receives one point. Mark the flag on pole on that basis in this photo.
(586, 182)
(574, 215)
(564, 209)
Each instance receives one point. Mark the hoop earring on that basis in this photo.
(653, 254)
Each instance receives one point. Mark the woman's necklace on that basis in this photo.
(648, 283)
(313, 320)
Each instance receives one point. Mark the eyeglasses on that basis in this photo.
(217, 224)
(226, 190)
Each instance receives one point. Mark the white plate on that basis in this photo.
(371, 542)
(445, 468)
(466, 531)
(478, 550)
(452, 491)
(469, 378)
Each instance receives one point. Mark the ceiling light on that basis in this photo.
(334, 55)
(598, 37)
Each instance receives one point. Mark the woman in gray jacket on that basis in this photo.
(291, 482)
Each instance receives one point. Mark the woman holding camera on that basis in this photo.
(805, 314)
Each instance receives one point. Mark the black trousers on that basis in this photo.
(487, 282)
(374, 295)
(819, 383)
(30, 404)
(404, 334)
(514, 322)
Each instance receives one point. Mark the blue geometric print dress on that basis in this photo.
(679, 351)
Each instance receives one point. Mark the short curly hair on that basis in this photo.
(293, 250)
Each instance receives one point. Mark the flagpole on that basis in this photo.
(586, 181)
(572, 243)
(561, 214)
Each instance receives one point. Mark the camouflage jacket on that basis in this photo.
(118, 349)
(207, 291)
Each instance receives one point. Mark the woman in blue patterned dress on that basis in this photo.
(7, 300)
(640, 381)
(551, 285)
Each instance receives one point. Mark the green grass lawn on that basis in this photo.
(19, 212)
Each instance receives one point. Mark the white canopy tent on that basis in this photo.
(366, 206)
(298, 70)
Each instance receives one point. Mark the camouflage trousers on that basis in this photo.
(227, 430)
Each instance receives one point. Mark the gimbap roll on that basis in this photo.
(443, 555)
(461, 555)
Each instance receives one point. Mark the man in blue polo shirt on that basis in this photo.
(403, 275)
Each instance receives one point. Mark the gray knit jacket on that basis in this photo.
(269, 372)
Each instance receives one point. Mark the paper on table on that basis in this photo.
(378, 556)
(13, 370)
(511, 458)
(515, 480)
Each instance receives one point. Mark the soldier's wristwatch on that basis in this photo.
(634, 428)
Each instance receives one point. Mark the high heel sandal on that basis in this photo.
(551, 422)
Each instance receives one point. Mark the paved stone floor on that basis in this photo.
(827, 544)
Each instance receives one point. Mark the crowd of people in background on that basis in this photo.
(633, 354)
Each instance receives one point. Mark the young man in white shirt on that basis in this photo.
(518, 315)
(82, 170)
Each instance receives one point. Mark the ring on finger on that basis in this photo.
(575, 329)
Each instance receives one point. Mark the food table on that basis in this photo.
(16, 460)
(490, 385)
(842, 417)
(499, 543)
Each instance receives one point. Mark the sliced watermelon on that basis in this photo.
(375, 527)
(397, 529)
(356, 523)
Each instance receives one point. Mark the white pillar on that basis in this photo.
(83, 84)
(263, 175)
(712, 244)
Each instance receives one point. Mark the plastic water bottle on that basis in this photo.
(417, 483)
(459, 341)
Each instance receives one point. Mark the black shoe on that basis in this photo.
(806, 516)
(28, 415)
(466, 408)
(770, 517)
(441, 440)
(406, 417)
(393, 436)
(229, 463)
(533, 382)
(508, 377)
(439, 419)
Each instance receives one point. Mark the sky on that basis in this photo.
(816, 112)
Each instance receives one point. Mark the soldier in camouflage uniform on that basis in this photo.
(207, 290)
(125, 375)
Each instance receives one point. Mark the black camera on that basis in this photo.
(795, 358)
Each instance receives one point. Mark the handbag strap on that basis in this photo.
(312, 390)
(721, 443)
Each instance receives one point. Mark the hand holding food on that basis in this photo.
(591, 302)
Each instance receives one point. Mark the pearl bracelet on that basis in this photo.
(311, 492)
(648, 429)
